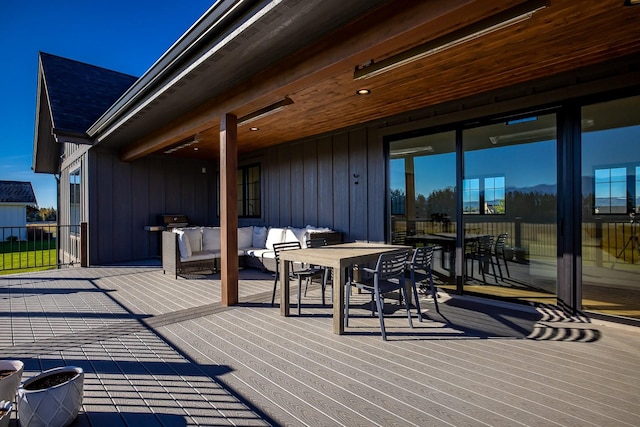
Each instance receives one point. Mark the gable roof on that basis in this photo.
(80, 93)
(71, 96)
(17, 192)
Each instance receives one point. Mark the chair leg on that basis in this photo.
(495, 256)
(299, 294)
(273, 297)
(434, 293)
(406, 299)
(414, 287)
(506, 266)
(347, 293)
(380, 304)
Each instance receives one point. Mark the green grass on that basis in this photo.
(27, 260)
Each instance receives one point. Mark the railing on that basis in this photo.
(40, 246)
(603, 242)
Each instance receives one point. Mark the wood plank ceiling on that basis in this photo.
(567, 34)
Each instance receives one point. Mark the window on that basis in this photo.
(490, 195)
(494, 192)
(471, 196)
(74, 201)
(610, 192)
(249, 192)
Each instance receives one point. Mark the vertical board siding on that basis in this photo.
(358, 200)
(297, 198)
(129, 196)
(271, 197)
(311, 193)
(341, 194)
(325, 182)
(140, 210)
(376, 187)
(284, 180)
(311, 182)
(106, 196)
(122, 237)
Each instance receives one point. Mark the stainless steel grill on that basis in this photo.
(173, 221)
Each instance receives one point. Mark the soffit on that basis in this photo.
(565, 36)
(271, 31)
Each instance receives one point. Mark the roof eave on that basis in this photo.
(213, 19)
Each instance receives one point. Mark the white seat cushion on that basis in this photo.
(211, 238)
(261, 253)
(245, 237)
(195, 237)
(200, 256)
(275, 235)
(259, 238)
(183, 244)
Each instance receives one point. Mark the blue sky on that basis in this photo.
(126, 36)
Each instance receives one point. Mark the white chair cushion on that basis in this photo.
(245, 237)
(195, 237)
(183, 244)
(275, 235)
(295, 235)
(261, 253)
(211, 238)
(259, 238)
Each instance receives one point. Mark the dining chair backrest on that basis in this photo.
(500, 243)
(422, 258)
(485, 244)
(286, 246)
(391, 264)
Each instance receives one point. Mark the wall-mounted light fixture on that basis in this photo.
(493, 23)
(266, 111)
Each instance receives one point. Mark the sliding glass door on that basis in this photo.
(423, 195)
(611, 207)
(509, 196)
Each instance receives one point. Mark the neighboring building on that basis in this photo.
(15, 196)
(516, 117)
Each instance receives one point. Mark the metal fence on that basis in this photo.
(602, 241)
(39, 246)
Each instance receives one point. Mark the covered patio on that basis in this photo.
(160, 351)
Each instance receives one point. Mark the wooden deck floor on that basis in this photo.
(159, 351)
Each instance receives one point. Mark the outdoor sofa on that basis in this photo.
(196, 249)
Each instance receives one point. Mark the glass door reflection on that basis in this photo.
(423, 196)
(509, 207)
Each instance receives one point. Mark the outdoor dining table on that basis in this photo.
(339, 257)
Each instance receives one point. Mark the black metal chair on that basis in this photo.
(483, 253)
(499, 252)
(388, 276)
(317, 243)
(296, 271)
(420, 268)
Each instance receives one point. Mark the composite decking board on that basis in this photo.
(452, 375)
(297, 388)
(393, 370)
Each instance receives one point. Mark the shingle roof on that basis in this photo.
(17, 192)
(80, 93)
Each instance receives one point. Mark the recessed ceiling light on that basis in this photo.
(363, 91)
(195, 148)
(254, 129)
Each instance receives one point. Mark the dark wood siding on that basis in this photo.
(312, 182)
(124, 197)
